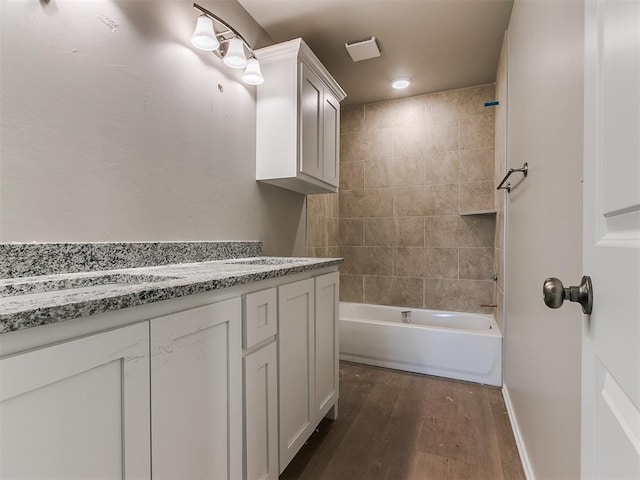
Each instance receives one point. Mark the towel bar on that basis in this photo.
(524, 170)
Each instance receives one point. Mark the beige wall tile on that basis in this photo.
(317, 252)
(395, 172)
(378, 202)
(395, 220)
(394, 113)
(434, 136)
(409, 140)
(379, 144)
(367, 260)
(398, 291)
(379, 173)
(400, 231)
(458, 295)
(373, 145)
(429, 200)
(335, 205)
(352, 119)
(476, 196)
(408, 262)
(351, 288)
(476, 263)
(442, 167)
(441, 200)
(351, 203)
(351, 147)
(477, 165)
(313, 205)
(325, 204)
(408, 232)
(352, 176)
(441, 136)
(377, 260)
(441, 263)
(317, 231)
(459, 103)
(477, 132)
(456, 231)
(379, 231)
(352, 260)
(409, 201)
(351, 231)
(333, 239)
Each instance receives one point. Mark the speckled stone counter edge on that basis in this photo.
(36, 315)
(33, 259)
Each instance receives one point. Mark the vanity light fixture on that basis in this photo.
(400, 83)
(227, 44)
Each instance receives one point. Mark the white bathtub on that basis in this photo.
(464, 346)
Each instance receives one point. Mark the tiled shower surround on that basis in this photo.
(412, 170)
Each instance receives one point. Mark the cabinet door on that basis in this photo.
(326, 345)
(261, 414)
(311, 109)
(331, 139)
(78, 409)
(295, 367)
(196, 396)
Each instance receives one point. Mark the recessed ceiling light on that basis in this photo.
(400, 83)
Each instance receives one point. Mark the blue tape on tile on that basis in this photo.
(495, 103)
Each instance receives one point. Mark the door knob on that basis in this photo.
(555, 293)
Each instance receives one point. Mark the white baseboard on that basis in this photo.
(522, 450)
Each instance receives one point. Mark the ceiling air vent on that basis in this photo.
(363, 49)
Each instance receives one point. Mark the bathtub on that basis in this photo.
(463, 346)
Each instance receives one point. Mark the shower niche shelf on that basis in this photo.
(491, 211)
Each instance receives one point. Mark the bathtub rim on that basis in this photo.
(493, 331)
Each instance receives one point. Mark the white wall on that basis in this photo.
(118, 132)
(544, 231)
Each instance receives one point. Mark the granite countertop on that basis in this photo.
(31, 301)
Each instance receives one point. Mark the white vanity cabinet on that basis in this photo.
(196, 393)
(78, 409)
(225, 385)
(307, 359)
(298, 120)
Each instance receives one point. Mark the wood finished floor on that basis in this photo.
(396, 425)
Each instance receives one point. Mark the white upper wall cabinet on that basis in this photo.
(298, 120)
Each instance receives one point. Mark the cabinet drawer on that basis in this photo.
(260, 318)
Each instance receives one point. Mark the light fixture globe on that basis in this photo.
(204, 36)
(252, 75)
(235, 57)
(400, 83)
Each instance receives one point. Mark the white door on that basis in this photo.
(310, 123)
(295, 367)
(326, 348)
(331, 139)
(196, 393)
(78, 409)
(611, 335)
(261, 414)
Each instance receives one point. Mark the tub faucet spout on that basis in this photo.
(406, 316)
